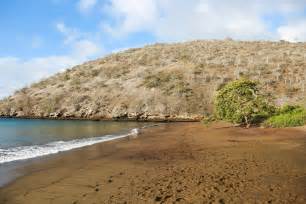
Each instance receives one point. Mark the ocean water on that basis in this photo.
(27, 139)
(26, 142)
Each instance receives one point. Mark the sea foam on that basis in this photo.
(28, 152)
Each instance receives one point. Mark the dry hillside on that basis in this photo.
(163, 81)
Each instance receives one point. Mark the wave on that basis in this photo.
(28, 152)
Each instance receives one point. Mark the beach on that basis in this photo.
(172, 163)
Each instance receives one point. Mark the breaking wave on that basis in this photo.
(28, 152)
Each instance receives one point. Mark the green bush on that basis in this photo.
(241, 102)
(288, 109)
(287, 116)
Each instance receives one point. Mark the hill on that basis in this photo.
(163, 81)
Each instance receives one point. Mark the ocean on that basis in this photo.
(22, 140)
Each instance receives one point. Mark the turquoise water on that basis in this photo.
(26, 139)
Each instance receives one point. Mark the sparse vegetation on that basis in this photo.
(159, 79)
(50, 105)
(171, 81)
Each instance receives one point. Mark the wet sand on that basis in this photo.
(173, 163)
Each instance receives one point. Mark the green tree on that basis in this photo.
(241, 102)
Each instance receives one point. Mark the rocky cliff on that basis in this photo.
(163, 81)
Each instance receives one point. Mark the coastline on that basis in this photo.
(175, 162)
(125, 119)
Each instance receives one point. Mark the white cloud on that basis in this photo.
(208, 19)
(70, 34)
(172, 20)
(16, 73)
(294, 32)
(86, 5)
(84, 49)
(132, 15)
(61, 27)
(81, 43)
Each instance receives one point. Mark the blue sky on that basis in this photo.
(31, 27)
(39, 38)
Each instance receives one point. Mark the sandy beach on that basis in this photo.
(173, 163)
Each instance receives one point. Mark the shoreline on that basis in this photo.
(74, 145)
(175, 162)
(64, 146)
(103, 119)
(24, 163)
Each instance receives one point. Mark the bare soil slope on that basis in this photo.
(163, 81)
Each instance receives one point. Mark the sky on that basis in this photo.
(40, 38)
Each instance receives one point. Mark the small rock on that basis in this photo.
(158, 198)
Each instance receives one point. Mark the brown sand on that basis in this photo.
(173, 163)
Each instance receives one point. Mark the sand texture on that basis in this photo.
(173, 163)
